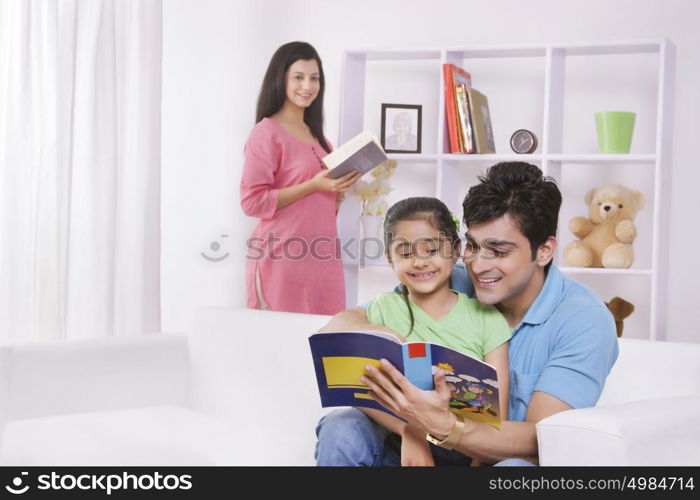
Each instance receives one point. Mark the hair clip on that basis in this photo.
(455, 219)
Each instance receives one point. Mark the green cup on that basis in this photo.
(614, 131)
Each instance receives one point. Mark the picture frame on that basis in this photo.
(401, 128)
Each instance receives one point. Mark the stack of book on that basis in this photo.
(467, 111)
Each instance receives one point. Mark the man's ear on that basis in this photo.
(546, 252)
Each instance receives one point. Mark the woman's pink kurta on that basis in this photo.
(294, 249)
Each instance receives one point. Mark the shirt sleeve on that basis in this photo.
(374, 311)
(460, 280)
(582, 358)
(258, 197)
(496, 330)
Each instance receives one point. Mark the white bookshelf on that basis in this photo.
(568, 165)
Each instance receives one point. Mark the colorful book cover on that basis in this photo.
(481, 122)
(453, 76)
(340, 359)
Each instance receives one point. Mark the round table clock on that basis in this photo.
(523, 141)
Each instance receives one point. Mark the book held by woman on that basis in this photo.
(362, 153)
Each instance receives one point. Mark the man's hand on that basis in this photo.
(415, 450)
(426, 409)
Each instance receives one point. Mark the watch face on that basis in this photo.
(523, 141)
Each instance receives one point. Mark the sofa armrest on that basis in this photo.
(651, 432)
(253, 369)
(56, 378)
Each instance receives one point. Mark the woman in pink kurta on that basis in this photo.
(294, 262)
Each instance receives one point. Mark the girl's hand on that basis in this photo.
(415, 450)
(322, 181)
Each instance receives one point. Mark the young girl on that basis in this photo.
(293, 263)
(422, 244)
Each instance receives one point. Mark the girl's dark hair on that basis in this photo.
(273, 91)
(520, 190)
(431, 210)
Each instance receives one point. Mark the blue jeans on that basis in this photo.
(514, 462)
(349, 437)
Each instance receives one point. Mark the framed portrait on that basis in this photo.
(401, 128)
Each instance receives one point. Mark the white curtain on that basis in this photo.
(80, 85)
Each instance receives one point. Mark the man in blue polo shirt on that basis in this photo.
(563, 345)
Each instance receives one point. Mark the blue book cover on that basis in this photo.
(340, 359)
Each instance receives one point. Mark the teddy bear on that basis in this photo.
(620, 309)
(606, 235)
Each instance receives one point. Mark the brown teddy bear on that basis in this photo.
(620, 309)
(606, 235)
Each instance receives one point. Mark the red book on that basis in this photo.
(453, 76)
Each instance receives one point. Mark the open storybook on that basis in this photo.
(361, 153)
(340, 359)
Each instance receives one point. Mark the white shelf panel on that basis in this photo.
(535, 50)
(412, 157)
(396, 55)
(569, 158)
(603, 158)
(492, 157)
(605, 271)
(496, 52)
(610, 48)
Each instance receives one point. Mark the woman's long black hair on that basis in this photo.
(273, 90)
(431, 210)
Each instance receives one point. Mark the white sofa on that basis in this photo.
(240, 390)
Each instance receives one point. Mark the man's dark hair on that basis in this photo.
(520, 190)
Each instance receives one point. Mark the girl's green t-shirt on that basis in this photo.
(470, 327)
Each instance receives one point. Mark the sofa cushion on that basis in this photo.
(150, 436)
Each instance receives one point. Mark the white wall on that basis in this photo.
(211, 73)
(215, 53)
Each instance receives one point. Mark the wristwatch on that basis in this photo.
(452, 438)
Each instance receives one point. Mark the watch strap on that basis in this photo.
(452, 438)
